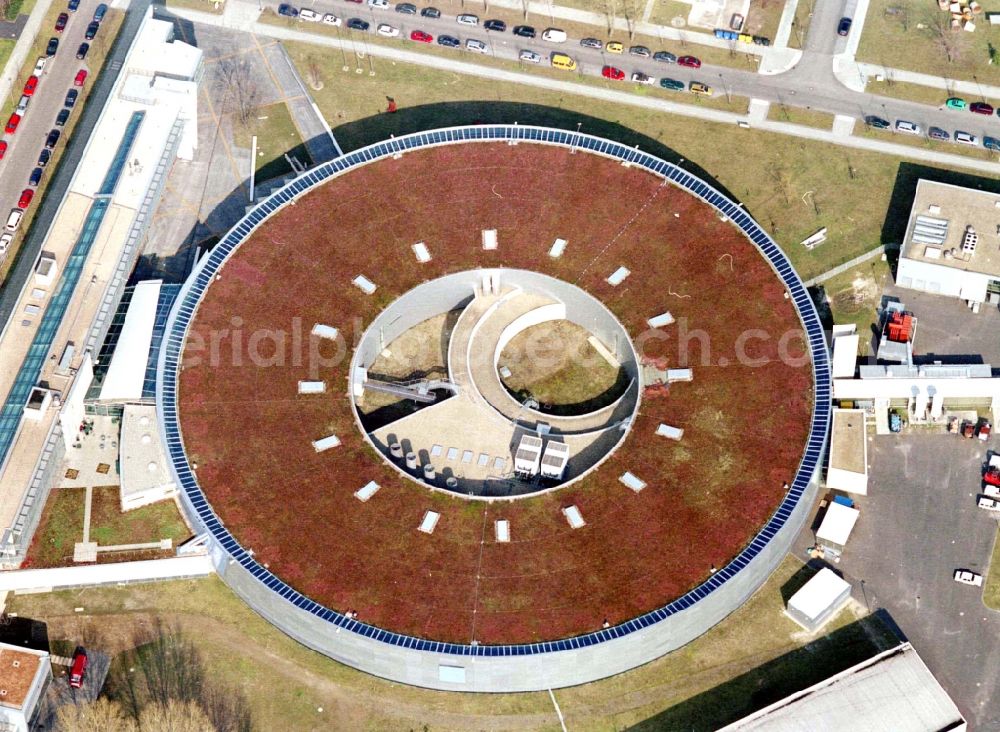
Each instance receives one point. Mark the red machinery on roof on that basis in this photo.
(899, 328)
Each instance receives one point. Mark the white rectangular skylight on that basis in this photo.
(558, 247)
(368, 490)
(574, 517)
(364, 284)
(312, 387)
(672, 433)
(429, 522)
(326, 443)
(420, 250)
(324, 331)
(661, 320)
(618, 276)
(503, 531)
(489, 238)
(632, 482)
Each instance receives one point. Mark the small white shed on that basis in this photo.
(819, 600)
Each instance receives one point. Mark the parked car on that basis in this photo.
(554, 35)
(61, 22)
(62, 117)
(614, 47)
(5, 240)
(449, 42)
(78, 668)
(981, 108)
(81, 52)
(22, 104)
(665, 57)
(35, 178)
(378, 3)
(91, 31)
(524, 31)
(955, 103)
(467, 19)
(73, 5)
(530, 56)
(936, 133)
(80, 78)
(965, 138)
(30, 85)
(421, 37)
(52, 139)
(613, 73)
(844, 26)
(430, 13)
(497, 26)
(968, 577)
(25, 200)
(71, 97)
(12, 122)
(641, 51)
(331, 19)
(3, 148)
(384, 29)
(99, 12)
(672, 84)
(53, 46)
(703, 90)
(288, 11)
(40, 65)
(476, 46)
(14, 219)
(357, 24)
(877, 122)
(641, 78)
(310, 15)
(910, 128)
(592, 43)
(991, 143)
(43, 158)
(692, 62)
(406, 8)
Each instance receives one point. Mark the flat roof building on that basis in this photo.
(819, 600)
(848, 467)
(891, 692)
(24, 675)
(952, 243)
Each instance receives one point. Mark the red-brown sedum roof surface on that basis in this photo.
(251, 434)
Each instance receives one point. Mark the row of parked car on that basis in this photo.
(975, 107)
(934, 133)
(639, 77)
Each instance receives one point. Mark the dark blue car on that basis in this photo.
(100, 12)
(449, 41)
(73, 5)
(357, 24)
(288, 11)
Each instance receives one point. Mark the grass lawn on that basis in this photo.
(751, 658)
(854, 295)
(60, 527)
(800, 25)
(854, 209)
(6, 48)
(763, 18)
(799, 116)
(108, 525)
(99, 48)
(276, 135)
(991, 587)
(893, 37)
(923, 94)
(205, 6)
(664, 11)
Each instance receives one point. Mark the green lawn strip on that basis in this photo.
(99, 48)
(763, 18)
(792, 186)
(925, 95)
(799, 116)
(664, 12)
(276, 135)
(906, 34)
(800, 23)
(109, 525)
(59, 528)
(205, 6)
(6, 48)
(854, 295)
(991, 587)
(752, 657)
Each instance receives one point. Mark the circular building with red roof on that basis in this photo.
(495, 408)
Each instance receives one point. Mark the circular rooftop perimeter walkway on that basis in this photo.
(495, 667)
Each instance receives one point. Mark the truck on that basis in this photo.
(78, 668)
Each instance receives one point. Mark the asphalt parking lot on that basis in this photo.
(918, 524)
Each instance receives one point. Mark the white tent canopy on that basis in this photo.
(123, 381)
(838, 524)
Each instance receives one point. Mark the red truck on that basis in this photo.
(78, 668)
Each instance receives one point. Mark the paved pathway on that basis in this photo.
(88, 502)
(13, 28)
(971, 88)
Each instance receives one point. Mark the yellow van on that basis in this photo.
(562, 61)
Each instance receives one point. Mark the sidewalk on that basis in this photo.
(972, 88)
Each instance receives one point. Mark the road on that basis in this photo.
(809, 84)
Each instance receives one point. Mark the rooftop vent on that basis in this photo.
(420, 251)
(661, 320)
(632, 481)
(489, 238)
(364, 284)
(671, 433)
(969, 240)
(558, 247)
(326, 443)
(503, 531)
(324, 331)
(429, 522)
(312, 387)
(574, 517)
(618, 276)
(366, 491)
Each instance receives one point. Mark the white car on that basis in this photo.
(990, 504)
(5, 241)
(965, 138)
(378, 3)
(466, 19)
(968, 577)
(331, 19)
(530, 56)
(476, 45)
(311, 15)
(642, 78)
(384, 29)
(910, 128)
(991, 490)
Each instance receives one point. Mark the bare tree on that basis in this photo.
(227, 709)
(946, 39)
(782, 181)
(241, 86)
(313, 72)
(610, 8)
(101, 715)
(633, 13)
(524, 8)
(174, 716)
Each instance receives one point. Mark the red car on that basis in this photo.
(3, 148)
(12, 123)
(30, 85)
(25, 200)
(81, 76)
(61, 22)
(980, 108)
(690, 61)
(79, 668)
(421, 37)
(612, 72)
